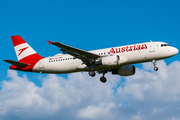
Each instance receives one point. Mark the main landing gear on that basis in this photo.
(92, 73)
(102, 79)
(154, 63)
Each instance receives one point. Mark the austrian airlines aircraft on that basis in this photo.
(117, 60)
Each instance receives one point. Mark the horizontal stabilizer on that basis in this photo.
(20, 64)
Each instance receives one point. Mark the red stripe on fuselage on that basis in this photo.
(31, 59)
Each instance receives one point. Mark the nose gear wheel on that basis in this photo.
(155, 67)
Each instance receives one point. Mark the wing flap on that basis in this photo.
(20, 64)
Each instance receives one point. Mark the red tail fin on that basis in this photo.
(17, 40)
(24, 52)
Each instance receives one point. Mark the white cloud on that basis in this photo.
(147, 85)
(93, 112)
(146, 95)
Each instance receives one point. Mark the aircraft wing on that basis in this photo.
(85, 56)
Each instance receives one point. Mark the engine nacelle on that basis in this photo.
(111, 60)
(125, 70)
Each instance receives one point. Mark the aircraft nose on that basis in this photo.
(175, 51)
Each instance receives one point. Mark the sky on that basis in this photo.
(90, 25)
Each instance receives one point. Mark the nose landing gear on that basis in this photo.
(155, 67)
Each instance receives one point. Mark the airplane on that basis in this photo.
(117, 60)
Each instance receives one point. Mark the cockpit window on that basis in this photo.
(163, 45)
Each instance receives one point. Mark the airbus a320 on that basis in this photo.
(117, 60)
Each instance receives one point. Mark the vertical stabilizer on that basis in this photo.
(24, 52)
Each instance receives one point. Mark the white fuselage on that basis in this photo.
(129, 54)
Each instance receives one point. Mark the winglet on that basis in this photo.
(49, 42)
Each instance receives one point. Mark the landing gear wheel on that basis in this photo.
(156, 68)
(92, 73)
(154, 63)
(103, 79)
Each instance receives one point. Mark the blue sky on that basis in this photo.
(87, 25)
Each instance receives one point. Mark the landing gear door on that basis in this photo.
(151, 47)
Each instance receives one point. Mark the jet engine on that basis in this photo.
(111, 60)
(125, 70)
